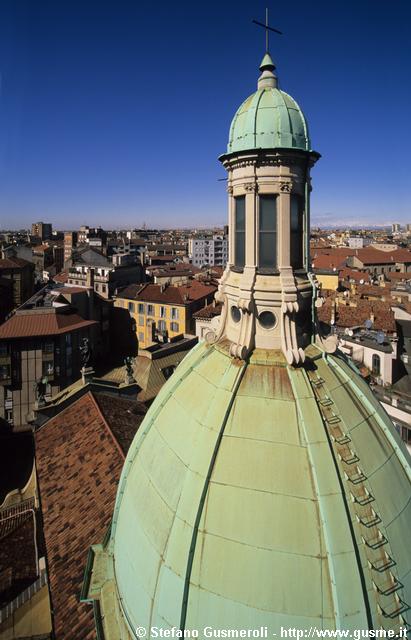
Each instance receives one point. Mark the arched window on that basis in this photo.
(376, 364)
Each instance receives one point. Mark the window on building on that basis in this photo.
(141, 337)
(131, 307)
(162, 325)
(174, 313)
(162, 312)
(48, 369)
(48, 347)
(141, 321)
(150, 310)
(104, 287)
(296, 231)
(376, 364)
(140, 307)
(4, 371)
(174, 326)
(239, 231)
(267, 232)
(3, 349)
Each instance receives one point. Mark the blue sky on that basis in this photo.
(114, 113)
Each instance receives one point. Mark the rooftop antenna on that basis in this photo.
(267, 29)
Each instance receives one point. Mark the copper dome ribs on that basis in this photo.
(374, 542)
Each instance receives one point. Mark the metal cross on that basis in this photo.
(267, 29)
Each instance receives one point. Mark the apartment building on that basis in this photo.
(20, 273)
(208, 251)
(106, 279)
(161, 312)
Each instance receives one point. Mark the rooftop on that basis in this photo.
(210, 311)
(355, 314)
(18, 556)
(30, 325)
(80, 453)
(170, 294)
(13, 263)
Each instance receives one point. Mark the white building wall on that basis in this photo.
(205, 325)
(363, 355)
(212, 251)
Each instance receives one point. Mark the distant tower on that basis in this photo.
(266, 486)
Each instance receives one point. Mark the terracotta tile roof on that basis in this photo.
(18, 562)
(13, 263)
(184, 294)
(210, 311)
(350, 274)
(123, 417)
(377, 256)
(28, 325)
(365, 290)
(69, 290)
(61, 277)
(329, 261)
(79, 462)
(352, 316)
(396, 275)
(338, 252)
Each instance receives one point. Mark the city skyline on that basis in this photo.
(120, 115)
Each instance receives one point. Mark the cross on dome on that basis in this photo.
(267, 28)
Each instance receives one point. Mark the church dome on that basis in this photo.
(266, 486)
(269, 118)
(257, 494)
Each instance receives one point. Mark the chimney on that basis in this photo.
(333, 305)
(90, 278)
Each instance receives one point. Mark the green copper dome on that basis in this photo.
(269, 118)
(257, 494)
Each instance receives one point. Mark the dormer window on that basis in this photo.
(267, 231)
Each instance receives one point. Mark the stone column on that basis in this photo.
(231, 225)
(250, 221)
(283, 214)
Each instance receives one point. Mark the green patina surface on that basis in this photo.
(268, 119)
(236, 509)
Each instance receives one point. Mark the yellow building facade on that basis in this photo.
(151, 317)
(328, 280)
